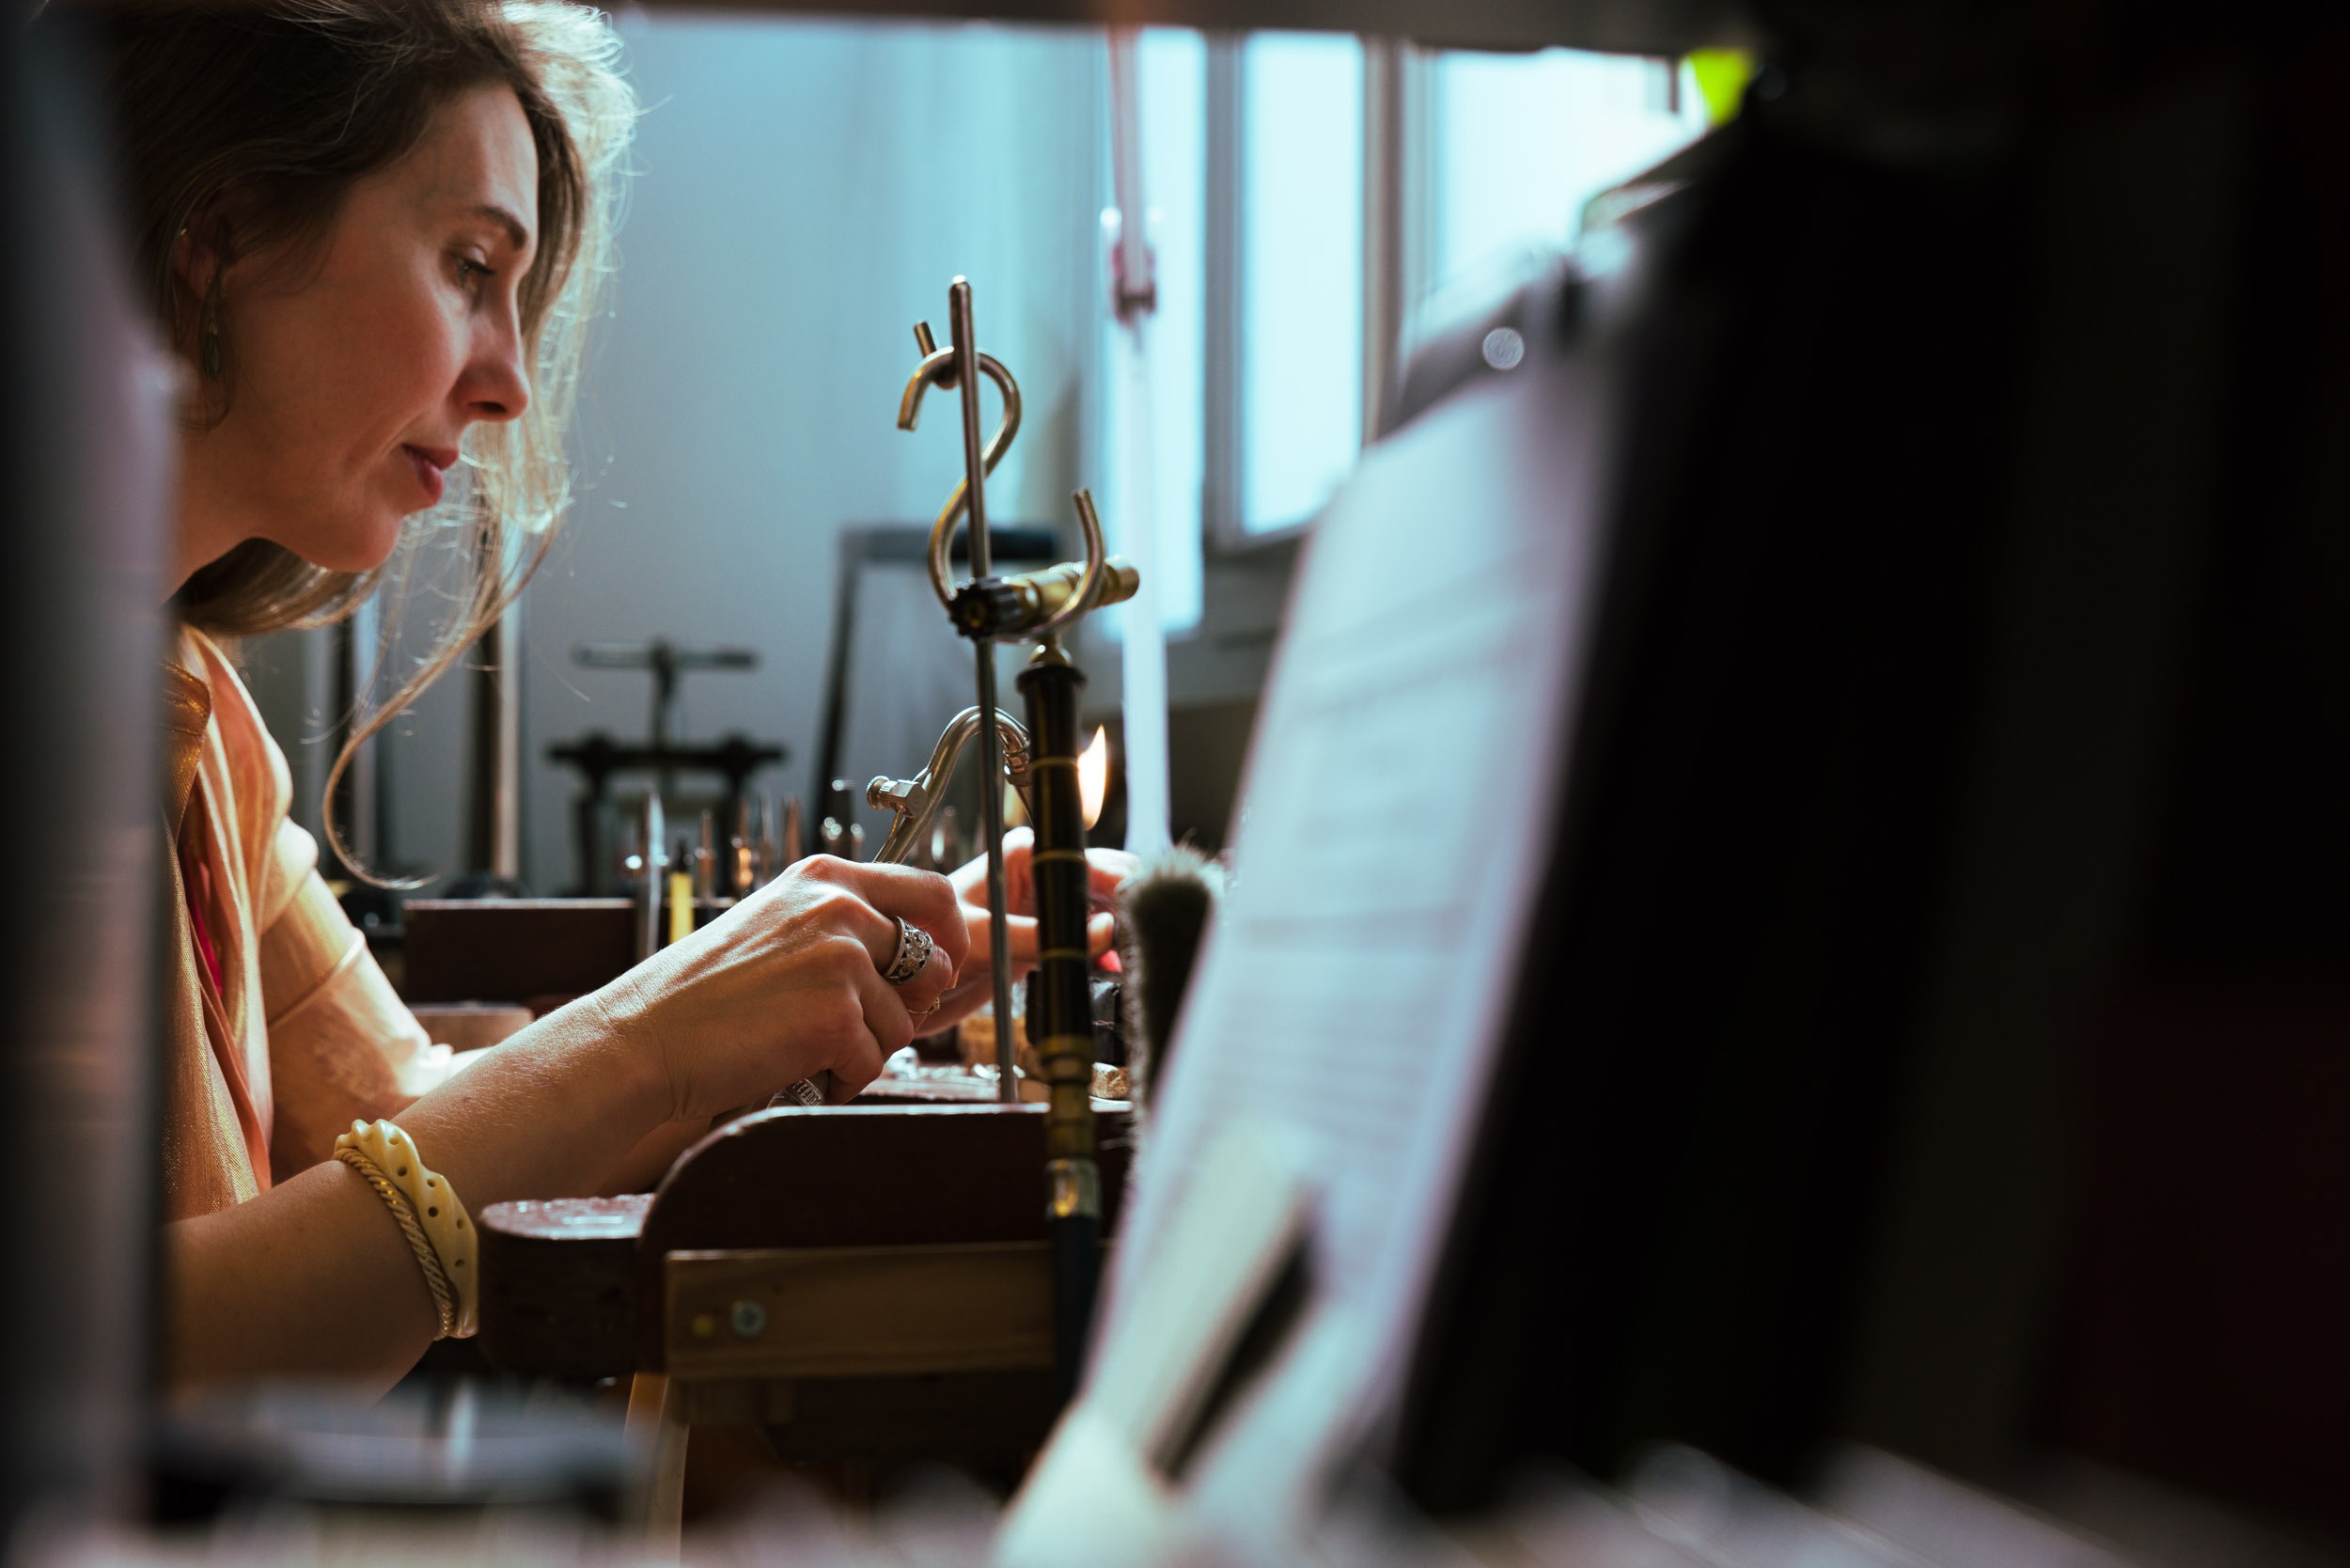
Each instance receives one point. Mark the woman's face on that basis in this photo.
(354, 378)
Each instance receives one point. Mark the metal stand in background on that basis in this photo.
(666, 661)
(1035, 606)
(494, 809)
(599, 816)
(362, 809)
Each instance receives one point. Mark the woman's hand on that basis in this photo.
(1107, 868)
(787, 984)
(310, 1278)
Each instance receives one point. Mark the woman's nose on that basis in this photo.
(498, 383)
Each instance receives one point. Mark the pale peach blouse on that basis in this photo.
(302, 1034)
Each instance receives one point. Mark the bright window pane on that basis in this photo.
(1301, 275)
(1155, 403)
(1523, 141)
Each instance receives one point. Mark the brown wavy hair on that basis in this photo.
(247, 123)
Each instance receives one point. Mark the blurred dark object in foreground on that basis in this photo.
(1934, 1032)
(86, 408)
(468, 1447)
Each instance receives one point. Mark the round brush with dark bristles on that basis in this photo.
(1163, 913)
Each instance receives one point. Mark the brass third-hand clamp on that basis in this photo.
(1011, 608)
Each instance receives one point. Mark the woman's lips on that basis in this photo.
(429, 465)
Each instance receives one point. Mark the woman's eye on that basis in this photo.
(470, 273)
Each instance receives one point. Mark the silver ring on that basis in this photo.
(912, 957)
(804, 1092)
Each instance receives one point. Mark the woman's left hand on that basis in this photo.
(1107, 868)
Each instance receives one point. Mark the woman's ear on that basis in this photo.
(199, 261)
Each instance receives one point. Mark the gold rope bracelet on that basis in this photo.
(435, 1279)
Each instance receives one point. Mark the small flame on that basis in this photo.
(1094, 774)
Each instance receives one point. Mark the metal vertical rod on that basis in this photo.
(362, 809)
(1384, 297)
(965, 338)
(1220, 367)
(506, 836)
(493, 809)
(655, 867)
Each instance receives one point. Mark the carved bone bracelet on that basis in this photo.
(430, 1218)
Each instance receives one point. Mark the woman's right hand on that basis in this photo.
(787, 984)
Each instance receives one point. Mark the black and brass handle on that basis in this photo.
(1061, 1020)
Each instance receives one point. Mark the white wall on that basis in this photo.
(805, 190)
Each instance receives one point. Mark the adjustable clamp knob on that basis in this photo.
(1010, 608)
(987, 607)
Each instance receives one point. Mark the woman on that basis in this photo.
(375, 228)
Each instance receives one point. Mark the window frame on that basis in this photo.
(1245, 574)
(1395, 190)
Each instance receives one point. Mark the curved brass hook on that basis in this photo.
(1097, 561)
(937, 369)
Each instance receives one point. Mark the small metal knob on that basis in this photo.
(749, 1319)
(986, 607)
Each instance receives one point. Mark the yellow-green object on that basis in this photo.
(1722, 76)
